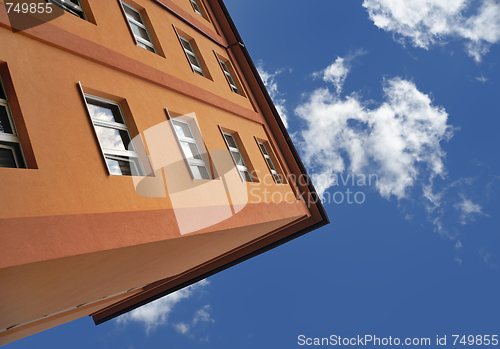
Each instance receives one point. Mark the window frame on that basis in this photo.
(12, 149)
(269, 161)
(68, 6)
(196, 7)
(11, 140)
(195, 68)
(229, 77)
(132, 21)
(240, 168)
(189, 161)
(115, 154)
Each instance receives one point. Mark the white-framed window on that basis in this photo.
(196, 7)
(191, 56)
(237, 157)
(114, 137)
(11, 154)
(138, 28)
(194, 157)
(229, 77)
(269, 162)
(72, 6)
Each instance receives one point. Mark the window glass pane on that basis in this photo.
(200, 172)
(5, 126)
(2, 94)
(270, 163)
(140, 32)
(195, 6)
(71, 6)
(230, 141)
(111, 138)
(204, 172)
(224, 67)
(191, 151)
(104, 111)
(7, 158)
(277, 178)
(193, 60)
(182, 129)
(186, 45)
(227, 73)
(199, 72)
(121, 167)
(74, 4)
(149, 48)
(246, 176)
(230, 78)
(135, 15)
(263, 148)
(238, 159)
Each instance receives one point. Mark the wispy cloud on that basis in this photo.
(269, 80)
(468, 210)
(337, 72)
(487, 259)
(454, 200)
(201, 316)
(429, 22)
(182, 328)
(157, 313)
(481, 79)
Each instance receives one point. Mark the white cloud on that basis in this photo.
(448, 199)
(468, 209)
(399, 140)
(487, 259)
(337, 72)
(272, 87)
(202, 315)
(429, 22)
(433, 199)
(481, 79)
(157, 313)
(182, 327)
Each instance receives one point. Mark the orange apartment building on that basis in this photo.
(139, 153)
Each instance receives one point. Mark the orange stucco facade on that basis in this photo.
(76, 240)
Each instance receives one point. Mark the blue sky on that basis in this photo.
(404, 90)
